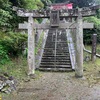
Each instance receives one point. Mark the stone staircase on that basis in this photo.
(56, 55)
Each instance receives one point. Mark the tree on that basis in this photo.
(82, 3)
(8, 18)
(32, 4)
(97, 2)
(78, 3)
(5, 14)
(46, 2)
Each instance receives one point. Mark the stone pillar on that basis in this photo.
(31, 47)
(94, 40)
(79, 47)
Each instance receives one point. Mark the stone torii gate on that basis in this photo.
(79, 26)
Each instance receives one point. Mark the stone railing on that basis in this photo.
(71, 48)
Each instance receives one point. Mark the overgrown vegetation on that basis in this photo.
(11, 44)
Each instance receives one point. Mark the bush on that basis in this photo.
(13, 43)
(3, 55)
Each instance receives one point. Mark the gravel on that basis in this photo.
(57, 86)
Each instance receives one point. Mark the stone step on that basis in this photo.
(60, 62)
(56, 69)
(46, 60)
(56, 56)
(52, 58)
(57, 42)
(57, 50)
(52, 53)
(55, 66)
(55, 63)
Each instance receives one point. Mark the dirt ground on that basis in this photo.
(59, 86)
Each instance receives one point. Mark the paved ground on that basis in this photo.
(59, 86)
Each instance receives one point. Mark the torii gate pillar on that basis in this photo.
(31, 47)
(79, 47)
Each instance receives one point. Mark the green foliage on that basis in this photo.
(3, 55)
(97, 2)
(5, 14)
(33, 4)
(96, 30)
(13, 42)
(8, 18)
(38, 47)
(95, 20)
(98, 14)
(30, 4)
(47, 2)
(87, 36)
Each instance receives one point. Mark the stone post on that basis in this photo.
(31, 47)
(79, 46)
(94, 40)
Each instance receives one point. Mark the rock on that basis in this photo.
(2, 78)
(27, 80)
(11, 78)
(87, 58)
(1, 86)
(6, 74)
(7, 84)
(84, 69)
(32, 76)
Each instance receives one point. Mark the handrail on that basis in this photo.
(71, 48)
(88, 51)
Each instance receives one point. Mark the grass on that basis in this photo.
(89, 47)
(16, 68)
(92, 65)
(92, 69)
